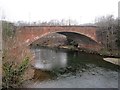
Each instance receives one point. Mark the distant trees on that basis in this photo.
(48, 23)
(118, 35)
(108, 29)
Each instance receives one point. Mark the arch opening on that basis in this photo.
(57, 39)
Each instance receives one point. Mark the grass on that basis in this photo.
(115, 53)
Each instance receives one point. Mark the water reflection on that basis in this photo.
(75, 69)
(48, 59)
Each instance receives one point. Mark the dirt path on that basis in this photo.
(113, 60)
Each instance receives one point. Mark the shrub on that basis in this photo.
(13, 74)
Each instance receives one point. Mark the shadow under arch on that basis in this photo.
(82, 40)
(66, 33)
(78, 37)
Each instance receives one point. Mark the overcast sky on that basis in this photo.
(83, 11)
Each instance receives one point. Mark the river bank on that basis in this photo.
(102, 52)
(115, 61)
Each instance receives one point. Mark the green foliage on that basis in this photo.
(13, 74)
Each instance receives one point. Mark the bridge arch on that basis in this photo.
(67, 34)
(28, 34)
(81, 40)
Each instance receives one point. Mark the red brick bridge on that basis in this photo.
(29, 34)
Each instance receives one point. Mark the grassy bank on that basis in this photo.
(113, 53)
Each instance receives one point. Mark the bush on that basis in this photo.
(13, 74)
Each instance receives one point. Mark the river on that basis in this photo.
(60, 68)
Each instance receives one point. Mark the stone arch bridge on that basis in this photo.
(28, 34)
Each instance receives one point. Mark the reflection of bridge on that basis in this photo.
(83, 34)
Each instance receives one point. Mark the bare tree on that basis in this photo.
(108, 29)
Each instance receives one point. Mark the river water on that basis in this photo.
(61, 68)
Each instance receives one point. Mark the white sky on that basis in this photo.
(83, 11)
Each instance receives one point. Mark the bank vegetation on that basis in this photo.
(14, 64)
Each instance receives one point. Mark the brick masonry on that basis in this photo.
(29, 34)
